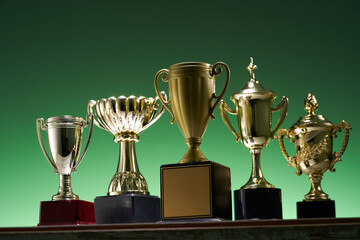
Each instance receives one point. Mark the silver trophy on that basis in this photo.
(64, 138)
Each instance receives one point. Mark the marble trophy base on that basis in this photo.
(259, 203)
(198, 191)
(66, 212)
(127, 208)
(316, 209)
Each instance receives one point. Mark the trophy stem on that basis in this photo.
(193, 153)
(257, 179)
(127, 157)
(316, 193)
(65, 190)
(128, 178)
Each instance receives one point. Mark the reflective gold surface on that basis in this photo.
(191, 198)
(126, 118)
(254, 114)
(64, 137)
(192, 94)
(313, 138)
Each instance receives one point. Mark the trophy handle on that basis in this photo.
(292, 160)
(216, 71)
(337, 155)
(164, 102)
(158, 114)
(223, 109)
(283, 106)
(90, 106)
(40, 125)
(89, 121)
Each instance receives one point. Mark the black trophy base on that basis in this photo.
(198, 191)
(316, 209)
(127, 208)
(260, 203)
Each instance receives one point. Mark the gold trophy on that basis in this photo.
(191, 188)
(64, 137)
(313, 138)
(254, 107)
(126, 118)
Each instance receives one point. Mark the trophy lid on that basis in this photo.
(252, 86)
(312, 119)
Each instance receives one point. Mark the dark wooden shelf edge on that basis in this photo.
(186, 225)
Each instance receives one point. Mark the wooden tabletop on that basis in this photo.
(326, 228)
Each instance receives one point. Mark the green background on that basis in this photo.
(57, 55)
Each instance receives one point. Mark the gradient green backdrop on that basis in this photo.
(57, 55)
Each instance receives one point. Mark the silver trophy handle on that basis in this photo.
(283, 106)
(158, 114)
(337, 155)
(89, 121)
(40, 125)
(90, 106)
(224, 108)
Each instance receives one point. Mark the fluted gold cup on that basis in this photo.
(192, 95)
(64, 137)
(126, 118)
(313, 137)
(254, 107)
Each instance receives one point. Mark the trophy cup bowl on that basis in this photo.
(128, 197)
(195, 187)
(313, 138)
(254, 107)
(64, 137)
(126, 118)
(192, 93)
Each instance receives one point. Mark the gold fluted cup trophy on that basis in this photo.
(313, 138)
(194, 188)
(128, 199)
(257, 199)
(64, 137)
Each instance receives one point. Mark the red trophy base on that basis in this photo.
(66, 212)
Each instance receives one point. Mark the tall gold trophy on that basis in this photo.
(64, 134)
(195, 188)
(313, 138)
(128, 197)
(254, 106)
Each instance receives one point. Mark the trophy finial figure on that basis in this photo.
(311, 103)
(252, 67)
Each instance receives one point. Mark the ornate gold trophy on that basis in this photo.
(128, 197)
(313, 138)
(254, 107)
(64, 137)
(195, 187)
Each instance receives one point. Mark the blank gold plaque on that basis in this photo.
(186, 192)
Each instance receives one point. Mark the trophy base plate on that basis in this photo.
(127, 208)
(66, 212)
(258, 203)
(316, 209)
(195, 220)
(200, 190)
